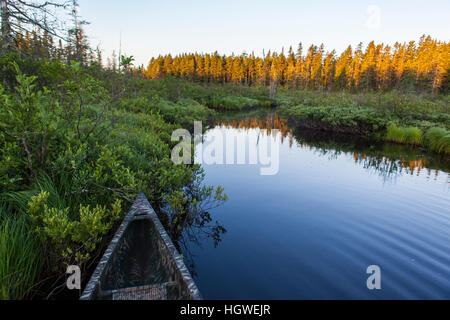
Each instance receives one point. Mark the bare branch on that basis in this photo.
(19, 16)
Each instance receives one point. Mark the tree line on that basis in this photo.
(421, 66)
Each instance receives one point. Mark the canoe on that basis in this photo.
(141, 263)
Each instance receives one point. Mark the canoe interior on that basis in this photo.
(141, 256)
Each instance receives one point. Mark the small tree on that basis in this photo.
(126, 62)
(78, 48)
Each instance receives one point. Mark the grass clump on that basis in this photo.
(438, 140)
(410, 135)
(21, 258)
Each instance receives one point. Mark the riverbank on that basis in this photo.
(404, 118)
(391, 116)
(367, 122)
(401, 117)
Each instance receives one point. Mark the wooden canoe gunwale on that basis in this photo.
(140, 210)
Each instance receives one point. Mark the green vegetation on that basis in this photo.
(237, 103)
(435, 139)
(438, 139)
(354, 120)
(409, 135)
(77, 144)
(79, 141)
(21, 257)
(233, 103)
(405, 109)
(225, 97)
(393, 116)
(411, 66)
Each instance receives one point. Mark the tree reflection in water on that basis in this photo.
(388, 160)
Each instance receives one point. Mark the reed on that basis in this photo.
(21, 258)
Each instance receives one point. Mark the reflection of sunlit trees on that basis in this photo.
(390, 166)
(387, 164)
(269, 123)
(386, 159)
(393, 166)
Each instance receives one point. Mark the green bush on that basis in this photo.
(71, 241)
(363, 120)
(444, 144)
(183, 112)
(233, 102)
(405, 109)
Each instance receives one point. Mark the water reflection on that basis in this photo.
(271, 122)
(311, 231)
(386, 159)
(186, 216)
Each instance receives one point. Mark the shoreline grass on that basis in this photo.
(434, 139)
(21, 258)
(409, 135)
(438, 140)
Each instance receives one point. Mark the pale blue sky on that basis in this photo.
(151, 28)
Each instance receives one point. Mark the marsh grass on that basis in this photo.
(438, 140)
(410, 135)
(21, 199)
(435, 139)
(413, 135)
(21, 258)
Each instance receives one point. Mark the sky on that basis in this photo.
(151, 28)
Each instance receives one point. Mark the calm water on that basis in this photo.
(337, 206)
